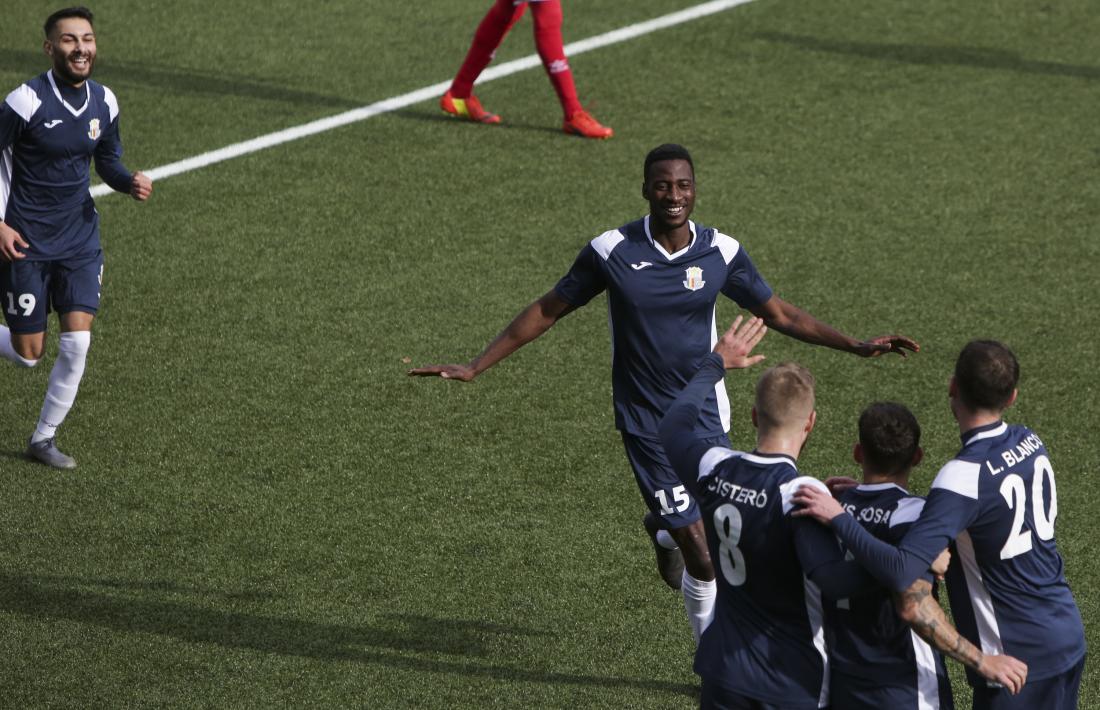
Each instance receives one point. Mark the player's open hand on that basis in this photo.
(941, 563)
(884, 344)
(10, 240)
(141, 186)
(736, 344)
(813, 502)
(1006, 670)
(464, 373)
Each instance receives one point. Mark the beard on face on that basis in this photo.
(61, 67)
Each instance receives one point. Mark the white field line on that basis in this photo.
(428, 92)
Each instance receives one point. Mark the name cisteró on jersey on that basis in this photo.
(641, 265)
(739, 494)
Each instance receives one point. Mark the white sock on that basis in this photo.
(699, 603)
(7, 350)
(64, 381)
(665, 540)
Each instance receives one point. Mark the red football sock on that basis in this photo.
(547, 16)
(490, 33)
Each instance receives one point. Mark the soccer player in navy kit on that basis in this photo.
(766, 648)
(876, 660)
(997, 501)
(663, 274)
(51, 128)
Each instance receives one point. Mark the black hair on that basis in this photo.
(986, 374)
(78, 11)
(890, 436)
(668, 151)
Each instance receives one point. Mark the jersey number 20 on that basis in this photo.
(1015, 494)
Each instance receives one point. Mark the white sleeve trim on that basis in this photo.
(112, 102)
(727, 245)
(907, 511)
(713, 457)
(606, 243)
(24, 102)
(959, 477)
(788, 489)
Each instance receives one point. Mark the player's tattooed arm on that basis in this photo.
(918, 608)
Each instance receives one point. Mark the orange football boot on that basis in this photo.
(468, 108)
(581, 123)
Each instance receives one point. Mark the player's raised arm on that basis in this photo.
(529, 324)
(677, 429)
(920, 610)
(792, 321)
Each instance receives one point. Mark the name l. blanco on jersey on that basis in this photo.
(1013, 456)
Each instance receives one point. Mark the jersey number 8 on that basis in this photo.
(727, 525)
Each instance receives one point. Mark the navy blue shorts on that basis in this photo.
(1057, 693)
(859, 694)
(661, 488)
(29, 290)
(715, 697)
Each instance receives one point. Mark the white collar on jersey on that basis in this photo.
(880, 487)
(670, 257)
(57, 93)
(995, 431)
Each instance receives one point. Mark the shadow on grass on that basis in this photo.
(936, 55)
(116, 72)
(74, 599)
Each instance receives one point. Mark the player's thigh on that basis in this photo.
(24, 289)
(1057, 693)
(663, 491)
(76, 284)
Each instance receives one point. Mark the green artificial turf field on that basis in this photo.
(268, 512)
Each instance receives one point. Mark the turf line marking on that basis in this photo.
(396, 103)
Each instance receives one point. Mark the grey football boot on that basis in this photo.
(46, 451)
(670, 563)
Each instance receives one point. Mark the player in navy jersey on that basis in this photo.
(663, 274)
(877, 661)
(51, 129)
(997, 501)
(766, 647)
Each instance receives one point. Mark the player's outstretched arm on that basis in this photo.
(918, 608)
(530, 323)
(792, 321)
(736, 344)
(10, 241)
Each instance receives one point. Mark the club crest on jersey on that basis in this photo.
(694, 278)
(93, 128)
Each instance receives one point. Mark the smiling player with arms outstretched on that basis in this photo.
(663, 274)
(51, 128)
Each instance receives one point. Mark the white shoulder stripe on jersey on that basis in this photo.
(727, 245)
(907, 511)
(24, 102)
(606, 243)
(112, 102)
(959, 477)
(989, 632)
(713, 457)
(788, 489)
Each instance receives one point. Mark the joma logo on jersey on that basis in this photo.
(93, 128)
(693, 278)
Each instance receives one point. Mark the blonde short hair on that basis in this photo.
(784, 396)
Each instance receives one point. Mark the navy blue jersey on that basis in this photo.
(661, 314)
(869, 644)
(767, 639)
(46, 147)
(997, 500)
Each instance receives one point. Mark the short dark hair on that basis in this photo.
(668, 151)
(986, 374)
(890, 436)
(78, 11)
